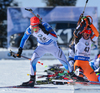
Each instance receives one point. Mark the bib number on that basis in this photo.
(86, 49)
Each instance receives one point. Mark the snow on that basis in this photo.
(14, 72)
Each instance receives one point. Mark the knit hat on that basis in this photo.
(34, 21)
(88, 31)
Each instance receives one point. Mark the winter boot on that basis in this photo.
(30, 83)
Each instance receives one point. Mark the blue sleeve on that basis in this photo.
(25, 36)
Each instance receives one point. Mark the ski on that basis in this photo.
(18, 86)
(88, 83)
(73, 82)
(41, 82)
(61, 82)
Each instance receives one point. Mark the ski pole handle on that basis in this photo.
(30, 11)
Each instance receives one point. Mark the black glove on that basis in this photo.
(19, 52)
(43, 29)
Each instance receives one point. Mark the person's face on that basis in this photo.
(35, 29)
(86, 36)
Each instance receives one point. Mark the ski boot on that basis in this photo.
(77, 78)
(30, 83)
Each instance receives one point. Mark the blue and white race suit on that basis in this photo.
(46, 43)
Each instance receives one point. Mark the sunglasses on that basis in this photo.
(35, 26)
(88, 35)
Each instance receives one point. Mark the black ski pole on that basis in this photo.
(85, 6)
(34, 14)
(11, 53)
(82, 13)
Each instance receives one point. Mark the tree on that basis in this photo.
(3, 8)
(60, 2)
(3, 18)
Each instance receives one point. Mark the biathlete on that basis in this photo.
(46, 38)
(85, 34)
